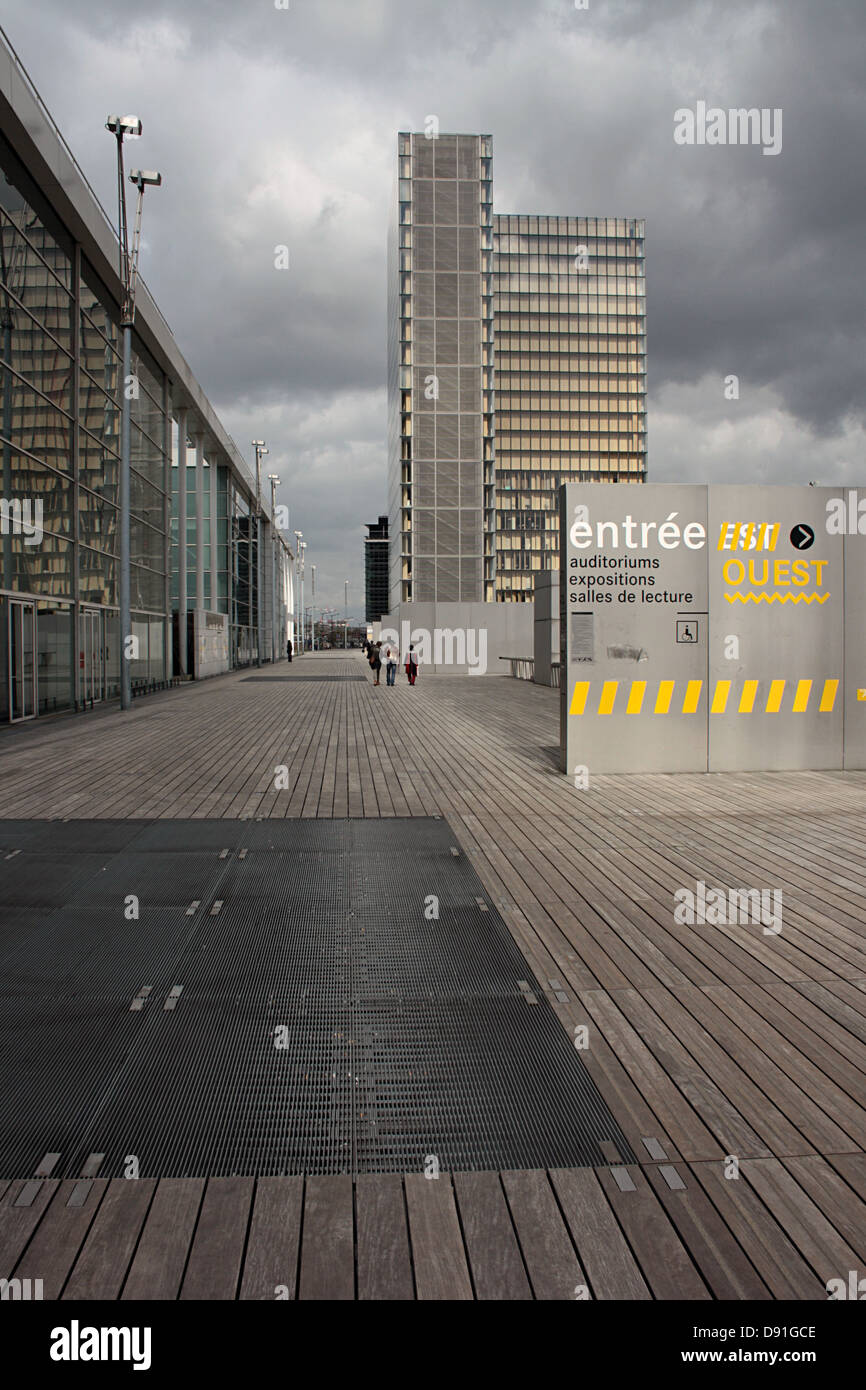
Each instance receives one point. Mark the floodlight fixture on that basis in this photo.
(124, 125)
(140, 177)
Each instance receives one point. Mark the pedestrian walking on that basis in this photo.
(289, 649)
(390, 659)
(412, 664)
(376, 661)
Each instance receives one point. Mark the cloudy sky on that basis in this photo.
(278, 126)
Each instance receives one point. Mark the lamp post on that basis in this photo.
(346, 607)
(119, 126)
(313, 612)
(302, 545)
(273, 479)
(261, 450)
(297, 586)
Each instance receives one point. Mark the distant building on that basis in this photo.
(570, 350)
(440, 495)
(556, 307)
(376, 569)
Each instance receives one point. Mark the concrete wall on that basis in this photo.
(210, 643)
(462, 638)
(546, 625)
(712, 628)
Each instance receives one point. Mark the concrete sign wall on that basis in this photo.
(546, 640)
(210, 643)
(704, 629)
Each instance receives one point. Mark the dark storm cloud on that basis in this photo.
(278, 127)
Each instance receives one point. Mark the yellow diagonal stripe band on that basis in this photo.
(776, 696)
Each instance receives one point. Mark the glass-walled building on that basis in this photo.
(376, 570)
(569, 302)
(516, 362)
(60, 440)
(60, 413)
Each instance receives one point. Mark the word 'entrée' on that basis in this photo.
(668, 532)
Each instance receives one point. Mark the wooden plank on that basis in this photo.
(160, 1258)
(271, 1263)
(786, 1049)
(610, 1266)
(494, 1251)
(663, 1259)
(105, 1256)
(58, 1238)
(775, 1257)
(384, 1259)
(838, 1003)
(845, 1212)
(794, 1093)
(214, 1265)
(328, 1246)
(438, 1254)
(657, 1068)
(700, 1070)
(814, 1236)
(722, 1262)
(748, 1083)
(17, 1224)
(553, 1267)
(853, 1169)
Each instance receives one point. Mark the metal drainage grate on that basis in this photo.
(304, 1011)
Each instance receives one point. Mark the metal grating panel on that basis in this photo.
(406, 1032)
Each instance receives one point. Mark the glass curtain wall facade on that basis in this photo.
(232, 570)
(570, 320)
(60, 440)
(376, 570)
(243, 627)
(473, 476)
(440, 356)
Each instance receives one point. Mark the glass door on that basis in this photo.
(92, 656)
(22, 659)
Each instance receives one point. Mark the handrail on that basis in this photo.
(522, 667)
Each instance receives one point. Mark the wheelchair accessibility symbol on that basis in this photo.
(687, 630)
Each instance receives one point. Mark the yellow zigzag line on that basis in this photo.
(777, 598)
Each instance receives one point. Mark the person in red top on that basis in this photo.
(411, 664)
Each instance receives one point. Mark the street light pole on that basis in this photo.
(346, 607)
(303, 608)
(302, 545)
(261, 450)
(298, 540)
(119, 126)
(313, 613)
(273, 480)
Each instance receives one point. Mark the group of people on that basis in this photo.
(385, 654)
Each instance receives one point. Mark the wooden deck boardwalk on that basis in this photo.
(718, 1048)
